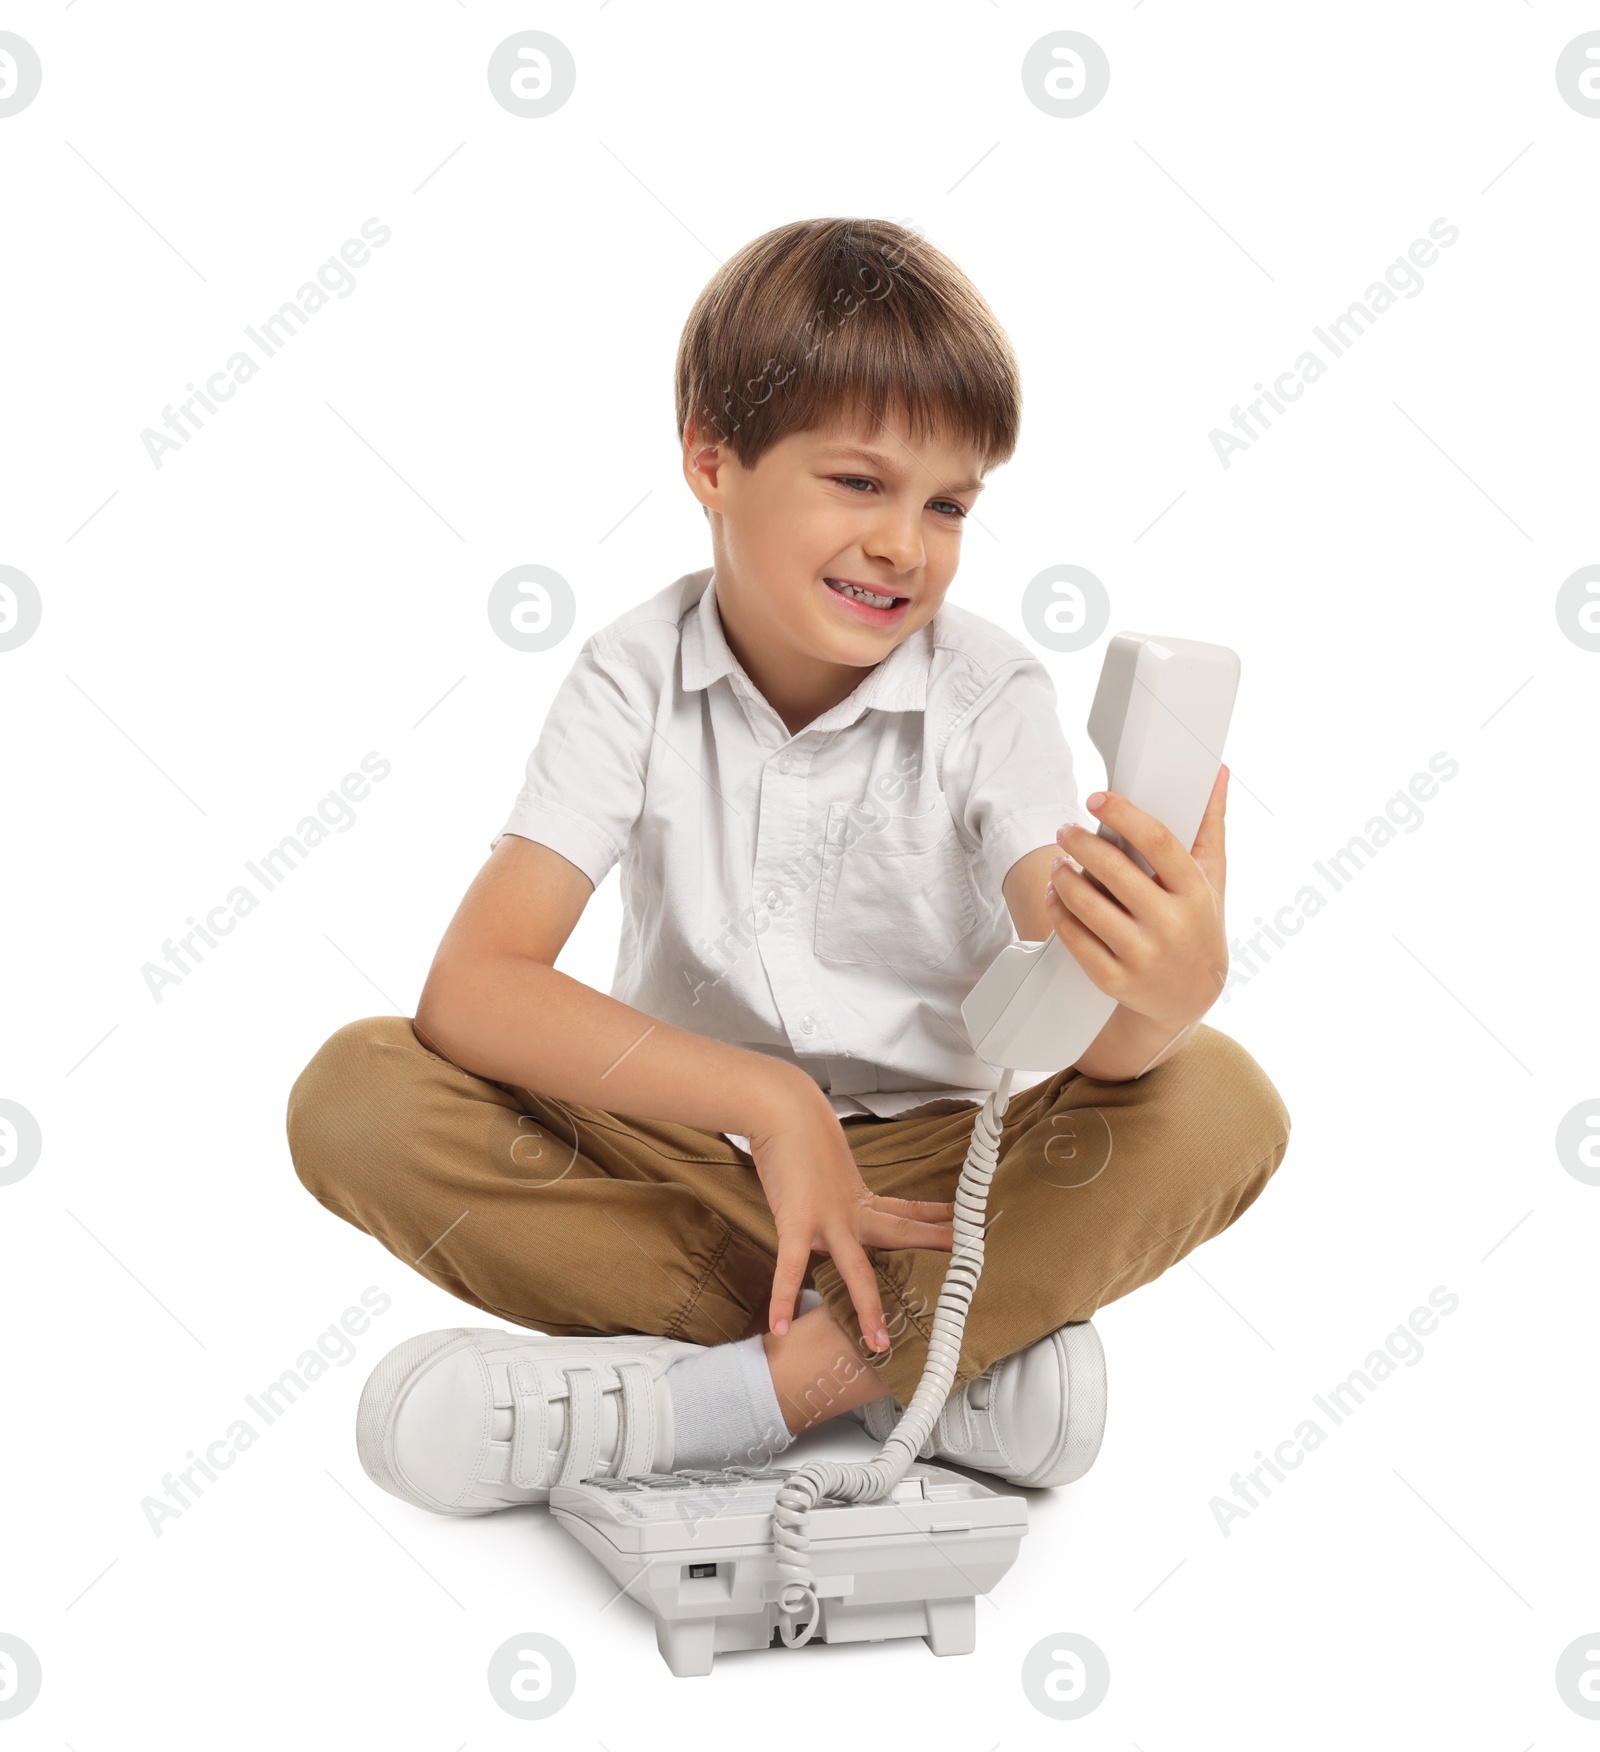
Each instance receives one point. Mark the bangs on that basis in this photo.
(848, 321)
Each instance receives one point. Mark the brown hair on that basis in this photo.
(825, 318)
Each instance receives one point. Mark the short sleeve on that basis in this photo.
(584, 784)
(1007, 771)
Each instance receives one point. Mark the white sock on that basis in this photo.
(725, 1411)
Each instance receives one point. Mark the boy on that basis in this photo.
(834, 796)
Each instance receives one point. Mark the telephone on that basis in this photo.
(724, 1557)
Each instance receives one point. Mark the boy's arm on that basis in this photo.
(494, 1004)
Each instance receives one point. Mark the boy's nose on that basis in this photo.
(899, 543)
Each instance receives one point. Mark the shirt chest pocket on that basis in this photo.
(893, 888)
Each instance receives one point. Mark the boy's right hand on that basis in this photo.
(821, 1204)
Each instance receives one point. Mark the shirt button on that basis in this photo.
(772, 897)
(808, 1024)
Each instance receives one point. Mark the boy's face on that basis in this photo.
(815, 513)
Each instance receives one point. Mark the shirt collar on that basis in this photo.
(899, 683)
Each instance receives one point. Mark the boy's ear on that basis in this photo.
(694, 447)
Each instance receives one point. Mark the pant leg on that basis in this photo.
(554, 1216)
(1099, 1187)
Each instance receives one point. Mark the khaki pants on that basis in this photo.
(574, 1221)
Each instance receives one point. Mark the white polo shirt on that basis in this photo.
(829, 897)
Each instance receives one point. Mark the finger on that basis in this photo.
(1111, 868)
(888, 1231)
(862, 1282)
(1210, 843)
(1152, 839)
(925, 1210)
(1083, 945)
(1107, 866)
(793, 1257)
(1118, 929)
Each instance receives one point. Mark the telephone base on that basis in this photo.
(695, 1548)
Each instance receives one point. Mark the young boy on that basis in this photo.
(835, 796)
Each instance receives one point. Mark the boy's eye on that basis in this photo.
(955, 509)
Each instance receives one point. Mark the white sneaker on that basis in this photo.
(1035, 1418)
(471, 1419)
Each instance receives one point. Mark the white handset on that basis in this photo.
(1159, 719)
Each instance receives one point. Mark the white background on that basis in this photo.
(223, 638)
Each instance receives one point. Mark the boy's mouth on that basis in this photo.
(877, 607)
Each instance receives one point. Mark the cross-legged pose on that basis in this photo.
(714, 1205)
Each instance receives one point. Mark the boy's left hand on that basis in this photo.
(1158, 946)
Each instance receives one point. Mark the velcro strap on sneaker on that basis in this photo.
(582, 1445)
(636, 1417)
(530, 1441)
(953, 1432)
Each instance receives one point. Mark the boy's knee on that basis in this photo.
(332, 1100)
(1230, 1095)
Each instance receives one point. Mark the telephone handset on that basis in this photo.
(1159, 719)
(723, 1557)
